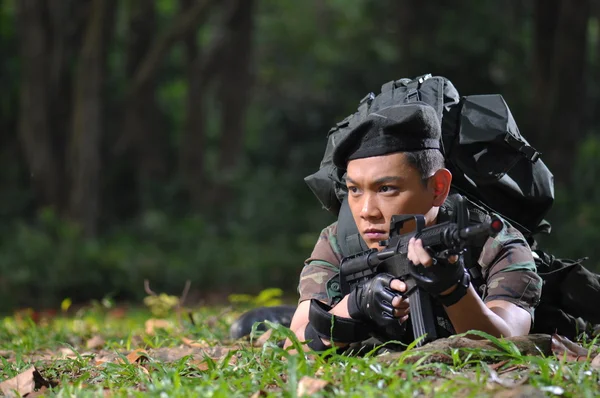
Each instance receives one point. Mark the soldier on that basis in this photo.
(394, 166)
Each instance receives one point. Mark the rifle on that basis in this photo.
(446, 237)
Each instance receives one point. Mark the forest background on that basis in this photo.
(168, 140)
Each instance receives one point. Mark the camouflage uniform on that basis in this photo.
(507, 267)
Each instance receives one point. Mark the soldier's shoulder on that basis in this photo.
(510, 239)
(329, 235)
(508, 235)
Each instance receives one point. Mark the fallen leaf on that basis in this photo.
(596, 362)
(66, 352)
(138, 355)
(153, 323)
(95, 342)
(262, 340)
(101, 360)
(201, 365)
(562, 346)
(309, 385)
(197, 344)
(24, 383)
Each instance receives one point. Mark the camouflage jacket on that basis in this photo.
(506, 262)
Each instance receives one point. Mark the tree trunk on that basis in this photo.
(235, 85)
(192, 146)
(84, 167)
(34, 119)
(141, 120)
(67, 22)
(545, 27)
(202, 67)
(140, 132)
(186, 21)
(560, 58)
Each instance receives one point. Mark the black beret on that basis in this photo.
(399, 128)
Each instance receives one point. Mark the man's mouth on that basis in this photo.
(375, 234)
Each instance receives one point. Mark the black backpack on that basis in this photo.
(491, 163)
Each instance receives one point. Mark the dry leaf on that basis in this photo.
(101, 360)
(24, 383)
(202, 365)
(138, 355)
(596, 362)
(197, 344)
(261, 341)
(258, 394)
(66, 352)
(153, 323)
(562, 346)
(95, 342)
(309, 385)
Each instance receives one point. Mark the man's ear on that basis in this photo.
(439, 184)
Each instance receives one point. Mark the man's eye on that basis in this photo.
(352, 189)
(387, 188)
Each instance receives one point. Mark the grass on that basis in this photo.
(198, 359)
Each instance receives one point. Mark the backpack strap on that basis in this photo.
(476, 215)
(348, 236)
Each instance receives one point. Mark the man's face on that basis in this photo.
(382, 186)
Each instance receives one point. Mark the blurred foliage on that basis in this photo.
(575, 216)
(266, 298)
(313, 61)
(161, 305)
(42, 264)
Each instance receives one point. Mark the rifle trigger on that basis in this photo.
(411, 285)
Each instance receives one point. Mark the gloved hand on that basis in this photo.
(435, 274)
(372, 301)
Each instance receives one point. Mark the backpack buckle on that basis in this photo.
(413, 95)
(367, 98)
(527, 150)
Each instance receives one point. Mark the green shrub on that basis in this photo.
(44, 262)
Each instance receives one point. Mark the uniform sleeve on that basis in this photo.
(509, 270)
(321, 267)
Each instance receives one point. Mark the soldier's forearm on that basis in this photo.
(299, 326)
(471, 313)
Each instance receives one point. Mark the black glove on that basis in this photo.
(372, 301)
(440, 276)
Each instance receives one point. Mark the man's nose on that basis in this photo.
(369, 208)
